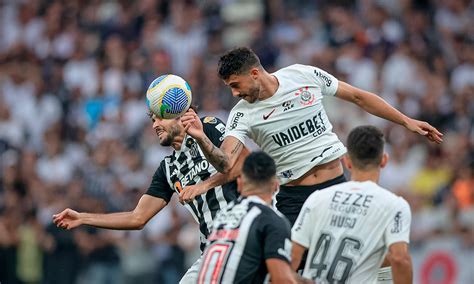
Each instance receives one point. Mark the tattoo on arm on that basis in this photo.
(215, 155)
(236, 148)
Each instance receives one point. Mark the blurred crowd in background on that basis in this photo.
(74, 130)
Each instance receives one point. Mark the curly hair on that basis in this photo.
(237, 61)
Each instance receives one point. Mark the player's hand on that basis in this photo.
(425, 129)
(192, 124)
(190, 193)
(68, 219)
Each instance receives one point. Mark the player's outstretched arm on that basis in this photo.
(400, 260)
(217, 179)
(377, 106)
(147, 207)
(223, 158)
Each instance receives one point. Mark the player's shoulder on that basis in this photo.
(387, 198)
(264, 208)
(241, 106)
(293, 69)
(273, 217)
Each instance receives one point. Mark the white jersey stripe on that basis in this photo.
(220, 196)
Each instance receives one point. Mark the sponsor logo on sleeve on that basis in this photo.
(235, 120)
(397, 223)
(301, 219)
(221, 128)
(210, 119)
(323, 76)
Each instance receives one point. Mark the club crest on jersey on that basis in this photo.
(193, 147)
(306, 97)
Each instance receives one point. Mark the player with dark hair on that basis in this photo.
(186, 167)
(283, 113)
(249, 239)
(350, 227)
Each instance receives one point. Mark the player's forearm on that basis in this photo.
(214, 155)
(116, 221)
(377, 106)
(216, 180)
(402, 272)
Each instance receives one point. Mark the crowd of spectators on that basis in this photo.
(74, 131)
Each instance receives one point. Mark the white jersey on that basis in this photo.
(292, 125)
(348, 229)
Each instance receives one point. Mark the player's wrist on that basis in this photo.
(83, 219)
(406, 121)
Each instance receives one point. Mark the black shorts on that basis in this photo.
(290, 199)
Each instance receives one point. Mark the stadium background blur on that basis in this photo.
(74, 131)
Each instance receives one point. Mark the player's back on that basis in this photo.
(348, 228)
(245, 234)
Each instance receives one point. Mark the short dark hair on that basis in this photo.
(365, 146)
(237, 61)
(259, 167)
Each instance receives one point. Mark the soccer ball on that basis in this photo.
(168, 96)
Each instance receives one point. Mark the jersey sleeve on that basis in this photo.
(398, 229)
(159, 186)
(327, 82)
(214, 129)
(276, 237)
(237, 124)
(304, 224)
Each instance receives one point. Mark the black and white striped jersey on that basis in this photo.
(189, 166)
(244, 235)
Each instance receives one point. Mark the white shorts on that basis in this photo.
(191, 276)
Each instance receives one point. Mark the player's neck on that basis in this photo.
(358, 175)
(269, 86)
(178, 141)
(267, 197)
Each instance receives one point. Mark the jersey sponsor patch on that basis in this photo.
(397, 223)
(210, 119)
(221, 128)
(235, 120)
(324, 76)
(287, 105)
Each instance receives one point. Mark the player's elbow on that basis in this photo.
(226, 169)
(138, 222)
(402, 260)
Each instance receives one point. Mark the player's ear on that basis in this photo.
(276, 185)
(347, 162)
(384, 161)
(254, 72)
